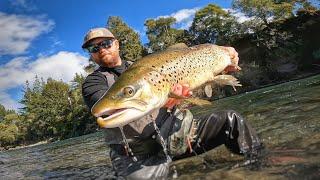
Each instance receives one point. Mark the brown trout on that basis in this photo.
(145, 86)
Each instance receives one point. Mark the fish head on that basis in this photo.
(131, 97)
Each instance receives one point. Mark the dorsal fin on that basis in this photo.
(177, 46)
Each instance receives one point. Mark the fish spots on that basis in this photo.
(178, 67)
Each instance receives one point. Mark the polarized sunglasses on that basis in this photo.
(96, 47)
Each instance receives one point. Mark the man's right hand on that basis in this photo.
(234, 59)
(179, 90)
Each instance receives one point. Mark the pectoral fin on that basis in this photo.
(172, 95)
(191, 100)
(226, 80)
(198, 101)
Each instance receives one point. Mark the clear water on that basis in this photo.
(286, 117)
(77, 158)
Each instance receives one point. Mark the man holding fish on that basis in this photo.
(139, 110)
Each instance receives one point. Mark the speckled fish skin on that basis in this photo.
(146, 85)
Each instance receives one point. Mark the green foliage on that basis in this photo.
(2, 112)
(307, 7)
(266, 10)
(82, 120)
(52, 110)
(130, 45)
(213, 25)
(161, 34)
(8, 134)
(56, 110)
(47, 103)
(9, 131)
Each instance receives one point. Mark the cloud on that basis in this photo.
(18, 31)
(60, 66)
(241, 17)
(8, 102)
(184, 17)
(184, 14)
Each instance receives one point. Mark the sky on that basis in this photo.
(43, 37)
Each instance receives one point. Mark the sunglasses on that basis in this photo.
(96, 47)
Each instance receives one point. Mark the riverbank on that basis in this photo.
(25, 146)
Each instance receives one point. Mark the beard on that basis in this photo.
(109, 60)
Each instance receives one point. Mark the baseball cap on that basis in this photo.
(95, 33)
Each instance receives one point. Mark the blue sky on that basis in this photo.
(43, 37)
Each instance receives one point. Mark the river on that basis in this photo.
(286, 117)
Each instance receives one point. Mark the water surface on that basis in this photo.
(286, 117)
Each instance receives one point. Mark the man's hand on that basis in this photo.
(179, 90)
(183, 90)
(234, 59)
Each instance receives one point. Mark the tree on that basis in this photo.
(9, 131)
(2, 112)
(307, 6)
(8, 134)
(283, 43)
(161, 34)
(268, 16)
(213, 25)
(45, 108)
(130, 45)
(54, 109)
(82, 122)
(266, 10)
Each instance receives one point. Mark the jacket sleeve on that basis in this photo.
(93, 88)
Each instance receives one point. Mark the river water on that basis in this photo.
(286, 117)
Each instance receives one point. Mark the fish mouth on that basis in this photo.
(112, 118)
(109, 114)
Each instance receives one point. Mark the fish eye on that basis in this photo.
(128, 91)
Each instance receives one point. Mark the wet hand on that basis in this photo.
(181, 90)
(234, 59)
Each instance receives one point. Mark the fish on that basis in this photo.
(147, 84)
